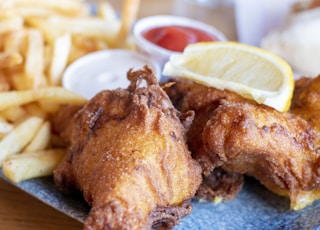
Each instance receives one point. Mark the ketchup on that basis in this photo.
(176, 38)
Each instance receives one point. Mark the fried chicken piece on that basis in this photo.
(281, 150)
(219, 185)
(232, 136)
(129, 158)
(187, 95)
(62, 118)
(305, 101)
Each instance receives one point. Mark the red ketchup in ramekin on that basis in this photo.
(158, 37)
(176, 37)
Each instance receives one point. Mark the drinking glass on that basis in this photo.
(256, 18)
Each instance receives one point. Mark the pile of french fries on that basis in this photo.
(38, 40)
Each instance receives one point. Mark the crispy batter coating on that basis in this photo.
(236, 136)
(305, 101)
(129, 158)
(281, 150)
(186, 95)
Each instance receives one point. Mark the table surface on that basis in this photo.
(22, 211)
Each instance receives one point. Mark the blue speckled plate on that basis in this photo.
(254, 208)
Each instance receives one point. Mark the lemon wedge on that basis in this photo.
(249, 71)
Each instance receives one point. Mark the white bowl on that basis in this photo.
(157, 53)
(106, 69)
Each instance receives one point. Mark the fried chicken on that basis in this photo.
(239, 136)
(281, 150)
(305, 101)
(187, 95)
(128, 156)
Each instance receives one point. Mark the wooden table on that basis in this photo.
(21, 211)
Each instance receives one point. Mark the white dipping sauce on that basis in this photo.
(102, 70)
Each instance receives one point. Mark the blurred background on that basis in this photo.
(217, 13)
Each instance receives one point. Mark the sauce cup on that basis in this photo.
(106, 69)
(158, 52)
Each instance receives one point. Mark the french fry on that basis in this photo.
(54, 27)
(107, 12)
(41, 139)
(8, 60)
(59, 95)
(4, 82)
(5, 3)
(40, 24)
(14, 114)
(60, 54)
(129, 14)
(5, 127)
(15, 42)
(67, 7)
(32, 164)
(49, 107)
(34, 60)
(34, 109)
(18, 80)
(11, 24)
(47, 57)
(38, 40)
(2, 39)
(82, 45)
(25, 11)
(19, 137)
(16, 98)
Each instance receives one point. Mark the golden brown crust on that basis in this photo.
(220, 185)
(231, 136)
(305, 101)
(278, 149)
(129, 158)
(187, 95)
